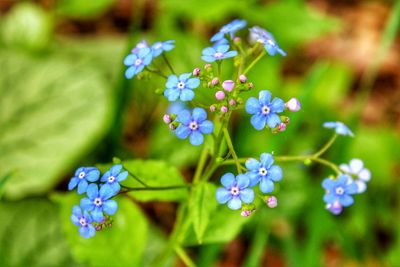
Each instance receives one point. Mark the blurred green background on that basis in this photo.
(64, 103)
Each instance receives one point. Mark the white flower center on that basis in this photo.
(97, 201)
(262, 171)
(193, 125)
(235, 191)
(218, 55)
(83, 221)
(339, 191)
(138, 62)
(265, 110)
(81, 175)
(181, 85)
(111, 179)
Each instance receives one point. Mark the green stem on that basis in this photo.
(232, 149)
(168, 64)
(159, 73)
(200, 165)
(184, 256)
(254, 62)
(137, 179)
(325, 147)
(219, 64)
(327, 163)
(154, 188)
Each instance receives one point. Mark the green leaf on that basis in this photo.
(123, 244)
(83, 9)
(158, 174)
(30, 235)
(201, 204)
(52, 111)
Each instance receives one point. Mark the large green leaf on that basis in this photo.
(30, 235)
(123, 244)
(158, 174)
(51, 112)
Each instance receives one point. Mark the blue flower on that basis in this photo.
(137, 62)
(263, 172)
(264, 110)
(140, 45)
(230, 29)
(99, 201)
(339, 127)
(235, 191)
(262, 36)
(84, 221)
(159, 47)
(223, 41)
(114, 176)
(339, 190)
(181, 87)
(211, 54)
(83, 175)
(194, 125)
(358, 172)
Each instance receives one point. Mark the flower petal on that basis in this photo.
(130, 59)
(106, 191)
(172, 81)
(346, 200)
(223, 195)
(266, 160)
(206, 127)
(277, 105)
(82, 186)
(275, 173)
(328, 184)
(130, 72)
(235, 203)
(222, 48)
(208, 51)
(242, 181)
(254, 178)
(182, 132)
(93, 175)
(258, 121)
(193, 83)
(265, 97)
(266, 185)
(252, 164)
(365, 175)
(196, 138)
(72, 183)
(208, 59)
(183, 77)
(199, 114)
(87, 204)
(273, 120)
(253, 105)
(230, 54)
(92, 191)
(186, 95)
(110, 207)
(184, 117)
(172, 94)
(247, 195)
(356, 165)
(228, 180)
(122, 176)
(97, 214)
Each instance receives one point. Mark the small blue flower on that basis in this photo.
(263, 172)
(140, 45)
(99, 201)
(194, 125)
(230, 29)
(83, 175)
(113, 177)
(159, 47)
(262, 36)
(223, 41)
(211, 54)
(358, 172)
(339, 190)
(235, 191)
(84, 221)
(181, 88)
(137, 62)
(264, 110)
(339, 127)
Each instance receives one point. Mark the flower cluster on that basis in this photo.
(89, 216)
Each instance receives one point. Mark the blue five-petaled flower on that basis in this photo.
(181, 87)
(193, 125)
(230, 29)
(99, 201)
(263, 172)
(340, 128)
(82, 176)
(340, 190)
(113, 177)
(84, 221)
(235, 191)
(211, 54)
(158, 47)
(137, 61)
(267, 40)
(264, 110)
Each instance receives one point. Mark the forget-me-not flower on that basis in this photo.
(82, 176)
(264, 110)
(193, 125)
(84, 221)
(136, 62)
(211, 54)
(360, 174)
(266, 39)
(99, 201)
(340, 128)
(113, 177)
(140, 45)
(159, 47)
(263, 172)
(230, 29)
(181, 87)
(339, 190)
(235, 191)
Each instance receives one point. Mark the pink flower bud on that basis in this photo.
(245, 213)
(219, 95)
(196, 72)
(214, 81)
(237, 40)
(250, 85)
(228, 85)
(281, 127)
(272, 202)
(209, 84)
(224, 109)
(167, 118)
(242, 78)
(172, 126)
(212, 108)
(232, 102)
(207, 67)
(293, 104)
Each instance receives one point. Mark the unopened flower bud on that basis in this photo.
(245, 213)
(272, 202)
(242, 78)
(228, 85)
(250, 85)
(219, 95)
(224, 109)
(281, 127)
(167, 118)
(335, 208)
(212, 108)
(209, 84)
(237, 40)
(98, 227)
(208, 67)
(232, 102)
(172, 126)
(214, 81)
(293, 105)
(196, 72)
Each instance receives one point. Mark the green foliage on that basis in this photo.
(124, 242)
(51, 113)
(83, 9)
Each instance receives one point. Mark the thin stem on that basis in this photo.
(153, 188)
(159, 73)
(201, 164)
(184, 256)
(219, 64)
(325, 147)
(138, 179)
(254, 62)
(327, 163)
(168, 64)
(232, 149)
